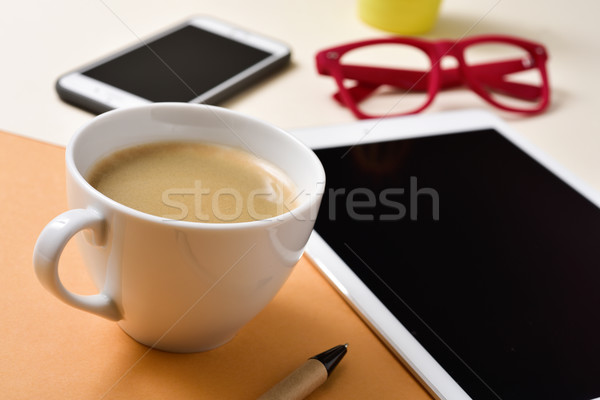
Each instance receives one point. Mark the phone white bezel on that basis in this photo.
(439, 383)
(113, 97)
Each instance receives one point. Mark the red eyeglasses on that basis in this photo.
(507, 72)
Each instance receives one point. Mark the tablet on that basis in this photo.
(473, 256)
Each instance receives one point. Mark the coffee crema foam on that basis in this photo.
(197, 182)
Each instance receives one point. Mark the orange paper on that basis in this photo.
(49, 350)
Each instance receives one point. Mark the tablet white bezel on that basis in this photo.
(365, 303)
(114, 97)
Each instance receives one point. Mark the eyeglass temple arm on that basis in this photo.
(491, 74)
(370, 78)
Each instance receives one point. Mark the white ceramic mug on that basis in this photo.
(176, 285)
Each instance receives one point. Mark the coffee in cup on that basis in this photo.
(195, 181)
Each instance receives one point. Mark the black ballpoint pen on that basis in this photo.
(304, 380)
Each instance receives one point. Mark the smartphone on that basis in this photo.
(203, 60)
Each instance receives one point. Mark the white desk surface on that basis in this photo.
(40, 40)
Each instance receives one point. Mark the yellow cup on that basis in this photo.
(406, 17)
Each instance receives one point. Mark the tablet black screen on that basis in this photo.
(486, 257)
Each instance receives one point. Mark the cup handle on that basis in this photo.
(47, 252)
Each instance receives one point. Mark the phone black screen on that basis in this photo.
(487, 258)
(178, 67)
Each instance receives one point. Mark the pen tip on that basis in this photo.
(330, 358)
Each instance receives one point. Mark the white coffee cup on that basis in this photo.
(175, 285)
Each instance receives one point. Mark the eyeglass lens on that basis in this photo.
(506, 73)
(397, 81)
